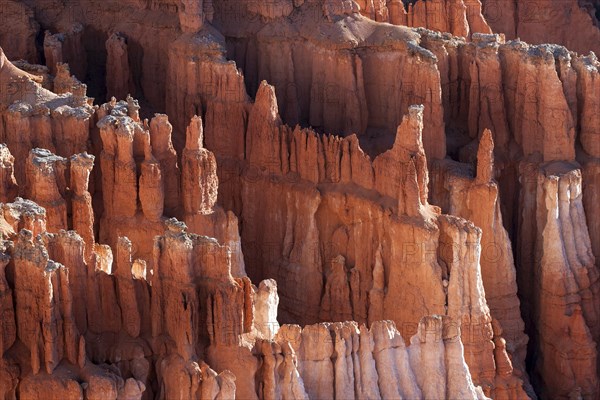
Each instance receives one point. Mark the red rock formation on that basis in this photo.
(119, 82)
(338, 203)
(66, 47)
(376, 363)
(46, 185)
(22, 214)
(458, 17)
(559, 271)
(477, 200)
(83, 213)
(162, 148)
(199, 180)
(19, 31)
(572, 23)
(9, 186)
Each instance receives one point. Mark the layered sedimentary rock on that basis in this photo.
(376, 363)
(199, 172)
(389, 206)
(559, 270)
(476, 198)
(572, 23)
(55, 317)
(81, 200)
(461, 18)
(143, 184)
(35, 117)
(365, 181)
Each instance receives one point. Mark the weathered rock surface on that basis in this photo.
(558, 269)
(571, 23)
(299, 199)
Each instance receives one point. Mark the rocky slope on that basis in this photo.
(297, 199)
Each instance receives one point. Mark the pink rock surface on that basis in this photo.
(299, 199)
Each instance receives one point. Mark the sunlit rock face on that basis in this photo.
(299, 199)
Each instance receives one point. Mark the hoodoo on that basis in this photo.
(299, 199)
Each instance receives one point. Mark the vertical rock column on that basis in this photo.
(175, 303)
(125, 183)
(46, 185)
(589, 86)
(165, 154)
(8, 183)
(266, 301)
(83, 213)
(125, 288)
(37, 295)
(459, 250)
(17, 120)
(408, 182)
(335, 304)
(71, 125)
(53, 50)
(195, 299)
(199, 183)
(191, 16)
(67, 47)
(152, 193)
(118, 80)
(66, 248)
(24, 214)
(478, 200)
(8, 329)
(119, 176)
(565, 297)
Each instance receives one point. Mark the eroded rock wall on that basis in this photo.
(360, 183)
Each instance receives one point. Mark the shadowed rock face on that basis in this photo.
(299, 199)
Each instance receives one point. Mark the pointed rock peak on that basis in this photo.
(160, 134)
(485, 158)
(81, 166)
(191, 17)
(160, 119)
(122, 266)
(265, 104)
(409, 133)
(378, 255)
(194, 134)
(133, 108)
